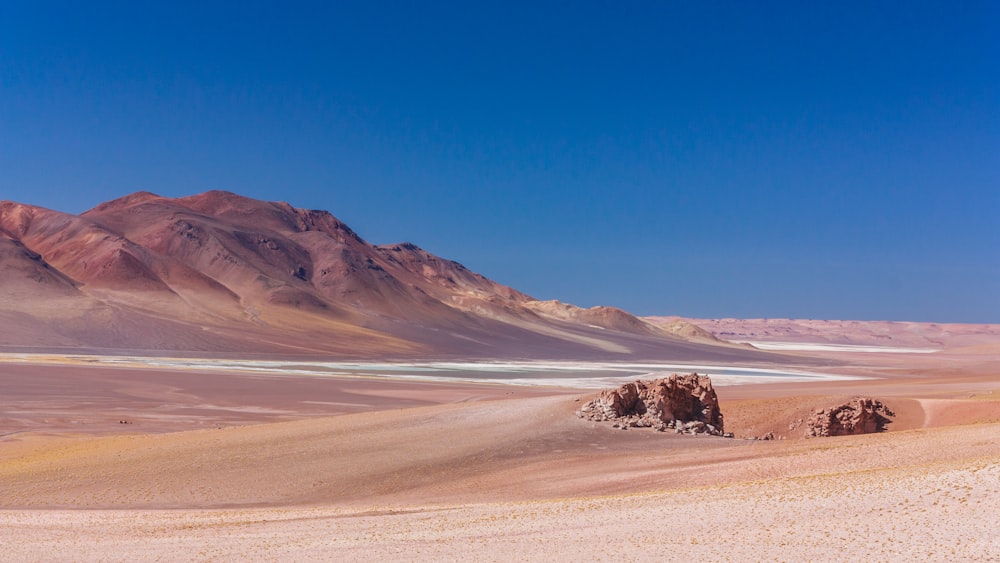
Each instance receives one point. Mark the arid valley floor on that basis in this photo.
(125, 463)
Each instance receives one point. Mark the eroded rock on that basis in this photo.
(861, 415)
(685, 403)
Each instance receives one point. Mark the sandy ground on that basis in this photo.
(325, 469)
(931, 513)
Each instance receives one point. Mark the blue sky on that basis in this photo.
(772, 159)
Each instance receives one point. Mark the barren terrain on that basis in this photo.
(864, 335)
(101, 463)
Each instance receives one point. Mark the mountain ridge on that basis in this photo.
(221, 272)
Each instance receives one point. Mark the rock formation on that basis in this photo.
(860, 415)
(685, 403)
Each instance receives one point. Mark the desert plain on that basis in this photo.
(219, 378)
(126, 462)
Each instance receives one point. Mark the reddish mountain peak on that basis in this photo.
(124, 202)
(8, 206)
(247, 212)
(221, 202)
(15, 218)
(220, 207)
(324, 221)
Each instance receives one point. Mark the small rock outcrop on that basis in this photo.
(685, 403)
(860, 415)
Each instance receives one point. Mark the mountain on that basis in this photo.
(928, 335)
(221, 273)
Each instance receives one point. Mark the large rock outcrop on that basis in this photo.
(685, 403)
(860, 415)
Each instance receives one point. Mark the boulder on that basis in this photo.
(686, 403)
(861, 415)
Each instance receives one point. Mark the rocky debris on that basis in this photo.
(860, 415)
(686, 404)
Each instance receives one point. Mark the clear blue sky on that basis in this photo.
(751, 159)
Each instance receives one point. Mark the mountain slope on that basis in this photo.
(218, 272)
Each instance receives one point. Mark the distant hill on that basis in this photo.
(222, 273)
(838, 332)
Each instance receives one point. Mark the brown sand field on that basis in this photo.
(231, 466)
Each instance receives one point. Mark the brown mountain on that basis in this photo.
(222, 273)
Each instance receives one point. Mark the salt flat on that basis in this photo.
(572, 375)
(816, 347)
